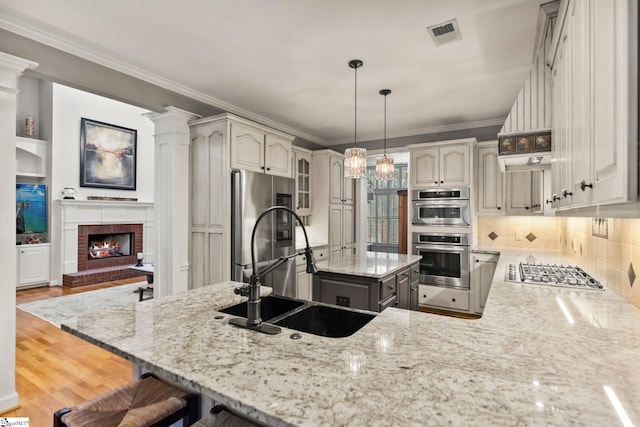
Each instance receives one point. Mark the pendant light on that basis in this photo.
(355, 159)
(384, 164)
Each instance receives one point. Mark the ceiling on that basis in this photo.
(286, 61)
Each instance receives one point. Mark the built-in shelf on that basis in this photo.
(31, 157)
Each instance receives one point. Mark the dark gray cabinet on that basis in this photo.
(367, 293)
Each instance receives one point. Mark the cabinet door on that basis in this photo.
(578, 15)
(335, 229)
(490, 184)
(277, 156)
(348, 229)
(247, 148)
(336, 180)
(424, 168)
(518, 193)
(454, 165)
(33, 265)
(302, 165)
(610, 96)
(348, 186)
(404, 289)
(537, 192)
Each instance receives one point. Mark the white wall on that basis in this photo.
(69, 106)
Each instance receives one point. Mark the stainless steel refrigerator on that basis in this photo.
(251, 194)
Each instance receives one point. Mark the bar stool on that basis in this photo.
(147, 401)
(221, 416)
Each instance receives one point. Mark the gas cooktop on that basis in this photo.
(552, 274)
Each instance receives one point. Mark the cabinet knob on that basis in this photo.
(499, 208)
(441, 182)
(477, 260)
(416, 271)
(262, 167)
(453, 300)
(390, 286)
(268, 169)
(566, 193)
(526, 207)
(584, 185)
(435, 182)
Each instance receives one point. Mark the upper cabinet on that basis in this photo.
(594, 61)
(490, 180)
(340, 188)
(435, 165)
(260, 150)
(302, 175)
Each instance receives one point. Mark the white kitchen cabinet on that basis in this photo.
(218, 142)
(302, 175)
(444, 298)
(340, 188)
(434, 165)
(524, 192)
(259, 150)
(490, 181)
(595, 122)
(483, 267)
(33, 266)
(332, 210)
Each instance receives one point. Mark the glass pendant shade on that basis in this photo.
(384, 168)
(355, 162)
(355, 159)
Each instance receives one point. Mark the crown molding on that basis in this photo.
(20, 25)
(422, 131)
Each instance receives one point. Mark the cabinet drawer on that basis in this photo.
(445, 298)
(390, 302)
(387, 287)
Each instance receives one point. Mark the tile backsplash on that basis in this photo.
(614, 259)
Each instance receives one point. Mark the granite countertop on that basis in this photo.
(369, 264)
(522, 363)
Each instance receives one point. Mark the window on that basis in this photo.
(382, 218)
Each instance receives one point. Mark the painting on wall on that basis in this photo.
(107, 155)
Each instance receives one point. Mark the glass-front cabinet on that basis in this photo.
(302, 171)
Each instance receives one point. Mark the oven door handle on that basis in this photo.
(440, 203)
(442, 248)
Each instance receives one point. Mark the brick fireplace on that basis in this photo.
(80, 219)
(108, 268)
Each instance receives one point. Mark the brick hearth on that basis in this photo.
(107, 269)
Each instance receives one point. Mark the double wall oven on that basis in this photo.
(441, 236)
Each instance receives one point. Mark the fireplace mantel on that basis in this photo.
(72, 213)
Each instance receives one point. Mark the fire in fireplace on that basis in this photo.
(103, 246)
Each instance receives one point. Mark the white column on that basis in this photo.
(171, 200)
(11, 67)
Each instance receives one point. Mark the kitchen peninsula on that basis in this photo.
(522, 363)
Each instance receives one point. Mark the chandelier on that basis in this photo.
(384, 164)
(355, 159)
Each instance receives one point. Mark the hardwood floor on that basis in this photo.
(54, 369)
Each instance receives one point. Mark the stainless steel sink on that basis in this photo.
(305, 316)
(326, 320)
(271, 307)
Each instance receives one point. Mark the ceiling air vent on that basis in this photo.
(445, 32)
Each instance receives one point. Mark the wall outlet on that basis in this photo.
(600, 227)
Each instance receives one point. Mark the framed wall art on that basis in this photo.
(107, 155)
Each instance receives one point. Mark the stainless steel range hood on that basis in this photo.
(524, 142)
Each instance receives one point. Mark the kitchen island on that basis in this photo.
(370, 281)
(522, 363)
